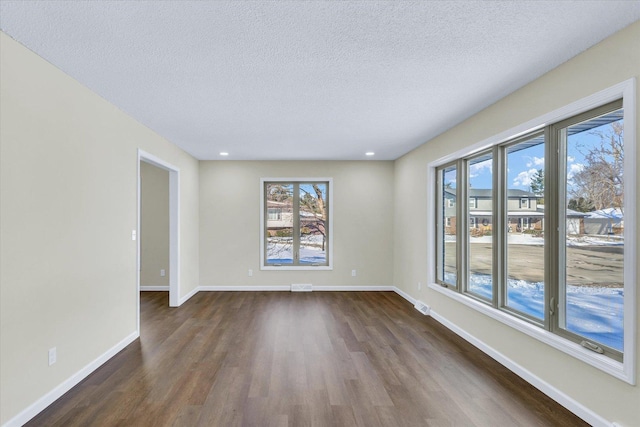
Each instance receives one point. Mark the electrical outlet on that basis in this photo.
(250, 273)
(163, 273)
(419, 286)
(52, 356)
(133, 234)
(354, 273)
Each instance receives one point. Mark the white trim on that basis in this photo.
(46, 400)
(430, 219)
(154, 288)
(630, 315)
(186, 297)
(297, 267)
(287, 288)
(563, 399)
(273, 288)
(625, 371)
(262, 234)
(596, 360)
(405, 295)
(555, 394)
(353, 288)
(174, 238)
(624, 89)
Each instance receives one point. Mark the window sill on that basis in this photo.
(603, 363)
(296, 267)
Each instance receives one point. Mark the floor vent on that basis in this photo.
(301, 287)
(422, 308)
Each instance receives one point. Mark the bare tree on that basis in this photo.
(312, 216)
(315, 206)
(601, 181)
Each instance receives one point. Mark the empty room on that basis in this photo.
(319, 213)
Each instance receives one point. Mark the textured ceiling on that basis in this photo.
(308, 80)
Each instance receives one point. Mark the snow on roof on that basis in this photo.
(609, 213)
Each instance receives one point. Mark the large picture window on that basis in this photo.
(544, 241)
(296, 223)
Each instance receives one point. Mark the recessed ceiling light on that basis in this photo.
(369, 153)
(224, 153)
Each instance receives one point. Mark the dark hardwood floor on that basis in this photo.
(299, 359)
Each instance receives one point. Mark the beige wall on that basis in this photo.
(230, 222)
(68, 180)
(606, 64)
(154, 225)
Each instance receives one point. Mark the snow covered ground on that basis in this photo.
(593, 312)
(282, 253)
(528, 239)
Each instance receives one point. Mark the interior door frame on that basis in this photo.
(174, 228)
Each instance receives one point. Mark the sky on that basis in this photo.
(523, 164)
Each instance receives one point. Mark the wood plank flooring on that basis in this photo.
(299, 359)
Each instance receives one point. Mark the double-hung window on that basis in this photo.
(551, 248)
(296, 223)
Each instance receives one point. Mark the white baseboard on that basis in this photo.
(563, 399)
(188, 296)
(46, 400)
(352, 288)
(572, 405)
(405, 295)
(245, 288)
(154, 288)
(287, 288)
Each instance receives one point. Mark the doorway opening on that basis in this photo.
(167, 243)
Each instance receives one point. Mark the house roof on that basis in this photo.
(609, 213)
(570, 212)
(487, 193)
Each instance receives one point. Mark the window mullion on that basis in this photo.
(296, 223)
(462, 249)
(498, 231)
(552, 228)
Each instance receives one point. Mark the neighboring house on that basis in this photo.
(524, 212)
(280, 219)
(279, 216)
(604, 222)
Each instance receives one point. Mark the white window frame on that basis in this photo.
(625, 370)
(329, 251)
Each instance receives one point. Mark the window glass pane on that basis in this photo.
(447, 217)
(279, 233)
(592, 297)
(313, 216)
(525, 227)
(480, 193)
